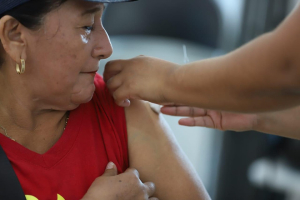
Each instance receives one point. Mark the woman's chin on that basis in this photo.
(83, 96)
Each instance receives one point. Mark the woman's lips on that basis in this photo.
(93, 73)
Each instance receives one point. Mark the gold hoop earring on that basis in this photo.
(22, 70)
(22, 66)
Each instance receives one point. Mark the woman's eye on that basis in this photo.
(88, 28)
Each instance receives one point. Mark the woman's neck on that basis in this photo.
(26, 121)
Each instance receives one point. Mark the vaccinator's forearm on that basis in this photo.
(263, 75)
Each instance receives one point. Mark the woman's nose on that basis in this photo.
(103, 49)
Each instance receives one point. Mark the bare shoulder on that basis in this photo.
(140, 117)
(154, 152)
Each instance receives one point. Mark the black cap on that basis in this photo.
(6, 5)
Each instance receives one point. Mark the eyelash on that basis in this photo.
(89, 28)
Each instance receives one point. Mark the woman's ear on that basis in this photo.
(12, 38)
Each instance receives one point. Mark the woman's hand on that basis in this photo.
(125, 186)
(142, 77)
(212, 119)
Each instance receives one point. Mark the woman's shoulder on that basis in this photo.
(141, 118)
(102, 94)
(103, 102)
(99, 82)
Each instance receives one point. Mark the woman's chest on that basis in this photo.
(49, 178)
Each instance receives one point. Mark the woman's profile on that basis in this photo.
(60, 127)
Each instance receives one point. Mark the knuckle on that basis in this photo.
(136, 173)
(118, 96)
(109, 63)
(145, 191)
(134, 178)
(132, 172)
(152, 186)
(129, 170)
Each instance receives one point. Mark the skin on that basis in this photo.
(261, 76)
(61, 59)
(282, 123)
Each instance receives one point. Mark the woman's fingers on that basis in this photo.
(183, 111)
(147, 189)
(150, 188)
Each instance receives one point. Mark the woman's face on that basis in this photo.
(63, 56)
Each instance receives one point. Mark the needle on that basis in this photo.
(185, 57)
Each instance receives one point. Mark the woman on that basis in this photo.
(60, 127)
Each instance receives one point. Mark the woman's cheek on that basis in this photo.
(86, 36)
(84, 39)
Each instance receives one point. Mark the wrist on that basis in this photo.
(171, 84)
(260, 123)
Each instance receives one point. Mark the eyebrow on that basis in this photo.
(93, 10)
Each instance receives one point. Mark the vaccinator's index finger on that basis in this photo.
(183, 111)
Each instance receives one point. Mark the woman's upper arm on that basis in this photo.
(153, 151)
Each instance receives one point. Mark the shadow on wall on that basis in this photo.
(194, 20)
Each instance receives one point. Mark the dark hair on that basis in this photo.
(31, 14)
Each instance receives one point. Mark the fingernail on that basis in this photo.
(110, 165)
(126, 103)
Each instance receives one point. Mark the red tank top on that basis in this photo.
(96, 134)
